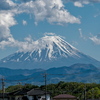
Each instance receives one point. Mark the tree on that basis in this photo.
(94, 93)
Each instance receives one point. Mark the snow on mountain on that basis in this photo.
(47, 52)
(46, 48)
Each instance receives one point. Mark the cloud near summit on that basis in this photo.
(53, 11)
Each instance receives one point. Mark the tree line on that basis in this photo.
(80, 90)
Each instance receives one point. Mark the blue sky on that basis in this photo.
(24, 21)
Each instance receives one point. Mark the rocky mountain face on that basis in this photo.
(47, 52)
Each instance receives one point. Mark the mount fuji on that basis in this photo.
(47, 52)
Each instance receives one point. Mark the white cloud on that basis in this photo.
(26, 45)
(81, 3)
(28, 39)
(81, 34)
(78, 4)
(95, 39)
(11, 3)
(51, 10)
(6, 21)
(10, 42)
(49, 34)
(24, 22)
(6, 4)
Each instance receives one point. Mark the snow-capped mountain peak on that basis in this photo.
(46, 48)
(54, 45)
(48, 51)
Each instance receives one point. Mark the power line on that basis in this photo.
(22, 79)
(45, 77)
(39, 76)
(3, 88)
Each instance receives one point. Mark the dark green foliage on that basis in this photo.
(13, 88)
(17, 87)
(81, 90)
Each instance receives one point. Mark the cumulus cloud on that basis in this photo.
(6, 21)
(24, 22)
(78, 4)
(9, 42)
(51, 10)
(6, 4)
(26, 45)
(95, 39)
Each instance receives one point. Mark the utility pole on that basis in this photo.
(3, 88)
(45, 79)
(85, 92)
(19, 85)
(92, 93)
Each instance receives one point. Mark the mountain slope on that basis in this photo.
(47, 52)
(75, 73)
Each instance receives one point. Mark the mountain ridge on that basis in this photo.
(75, 73)
(47, 52)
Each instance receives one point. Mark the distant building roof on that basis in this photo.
(36, 92)
(28, 92)
(63, 96)
(19, 92)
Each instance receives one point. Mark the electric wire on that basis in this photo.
(39, 75)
